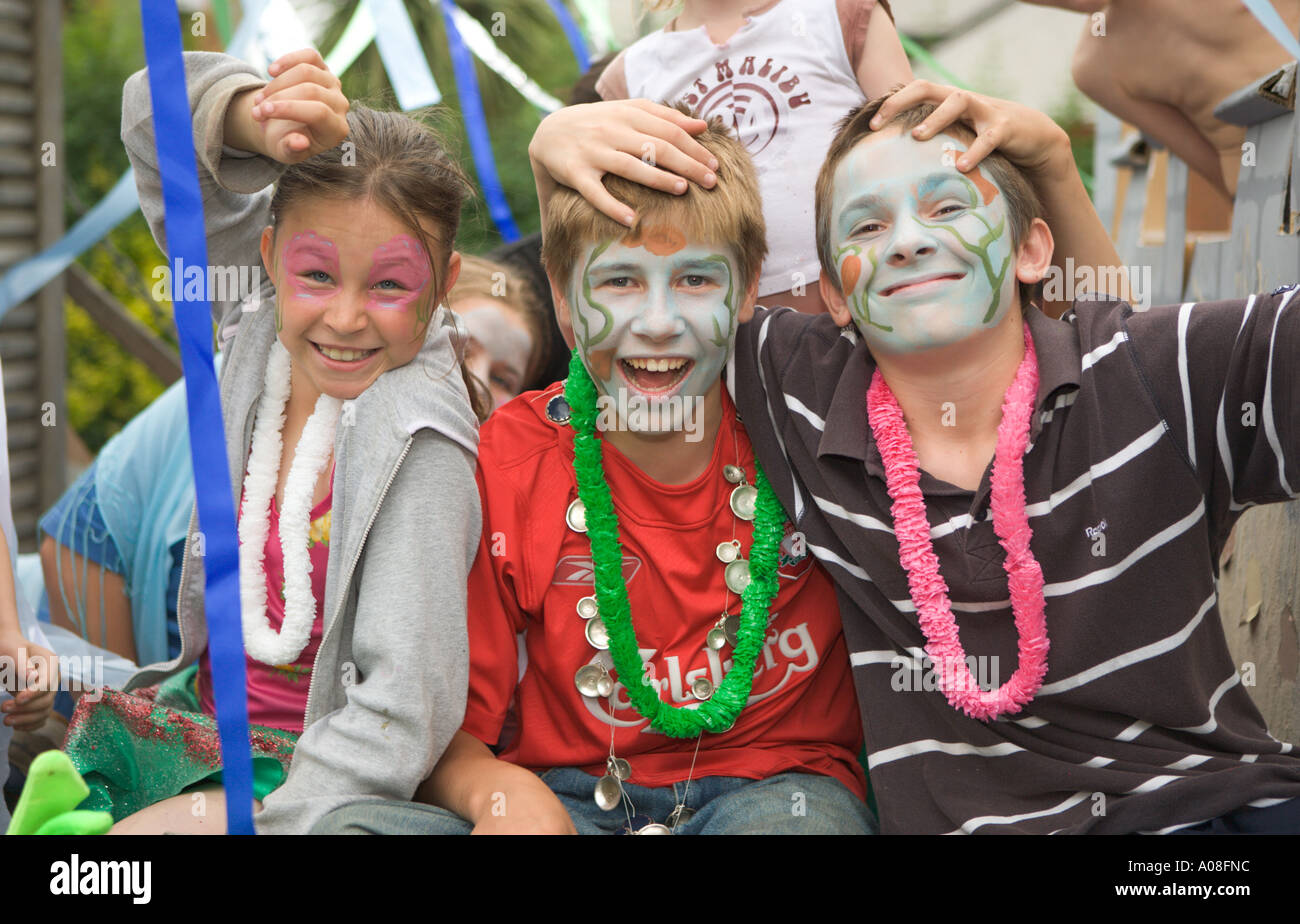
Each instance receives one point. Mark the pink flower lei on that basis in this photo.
(1011, 524)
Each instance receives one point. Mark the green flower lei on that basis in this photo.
(718, 713)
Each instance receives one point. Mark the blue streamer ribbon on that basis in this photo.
(1270, 20)
(26, 278)
(187, 244)
(404, 59)
(480, 143)
(572, 33)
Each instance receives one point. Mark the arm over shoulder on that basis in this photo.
(409, 647)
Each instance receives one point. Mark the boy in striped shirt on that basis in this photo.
(1080, 682)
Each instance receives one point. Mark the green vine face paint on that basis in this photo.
(924, 252)
(654, 317)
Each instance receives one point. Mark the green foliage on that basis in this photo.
(534, 40)
(102, 46)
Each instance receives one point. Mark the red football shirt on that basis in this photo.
(532, 569)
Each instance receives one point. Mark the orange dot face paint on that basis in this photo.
(661, 240)
(850, 270)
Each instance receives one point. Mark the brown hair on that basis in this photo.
(399, 163)
(479, 279)
(1023, 204)
(730, 213)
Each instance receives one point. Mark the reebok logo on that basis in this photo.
(578, 570)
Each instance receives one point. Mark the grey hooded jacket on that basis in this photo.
(388, 686)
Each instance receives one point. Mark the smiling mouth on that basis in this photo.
(655, 374)
(341, 355)
(921, 283)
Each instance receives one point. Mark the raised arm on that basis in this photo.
(240, 151)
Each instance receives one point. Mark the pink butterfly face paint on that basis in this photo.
(399, 276)
(356, 289)
(311, 265)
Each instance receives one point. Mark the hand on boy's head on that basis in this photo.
(302, 111)
(641, 141)
(1025, 136)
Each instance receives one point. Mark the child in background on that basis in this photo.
(351, 440)
(780, 74)
(653, 699)
(507, 329)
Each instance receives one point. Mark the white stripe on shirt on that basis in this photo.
(1184, 316)
(1210, 724)
(803, 411)
(1102, 575)
(1092, 356)
(970, 825)
(776, 431)
(1221, 426)
(930, 746)
(1270, 429)
(1129, 658)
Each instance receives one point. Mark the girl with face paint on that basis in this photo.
(508, 331)
(352, 437)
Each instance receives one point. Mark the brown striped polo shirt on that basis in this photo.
(1153, 431)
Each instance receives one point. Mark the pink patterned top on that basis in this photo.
(277, 696)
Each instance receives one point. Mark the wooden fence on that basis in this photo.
(1145, 206)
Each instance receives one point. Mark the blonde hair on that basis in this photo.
(484, 278)
(730, 213)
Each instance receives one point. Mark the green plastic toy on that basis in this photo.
(48, 804)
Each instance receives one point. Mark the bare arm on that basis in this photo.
(884, 63)
(496, 796)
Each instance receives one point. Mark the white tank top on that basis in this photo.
(782, 81)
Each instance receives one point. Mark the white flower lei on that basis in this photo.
(264, 461)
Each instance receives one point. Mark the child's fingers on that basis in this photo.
(916, 92)
(677, 132)
(326, 126)
(335, 103)
(594, 191)
(300, 56)
(297, 75)
(673, 149)
(985, 143)
(643, 171)
(689, 123)
(959, 106)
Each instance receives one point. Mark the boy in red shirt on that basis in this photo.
(734, 636)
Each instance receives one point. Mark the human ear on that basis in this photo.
(747, 304)
(268, 257)
(563, 317)
(453, 273)
(1034, 255)
(834, 300)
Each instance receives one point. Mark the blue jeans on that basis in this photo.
(788, 803)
